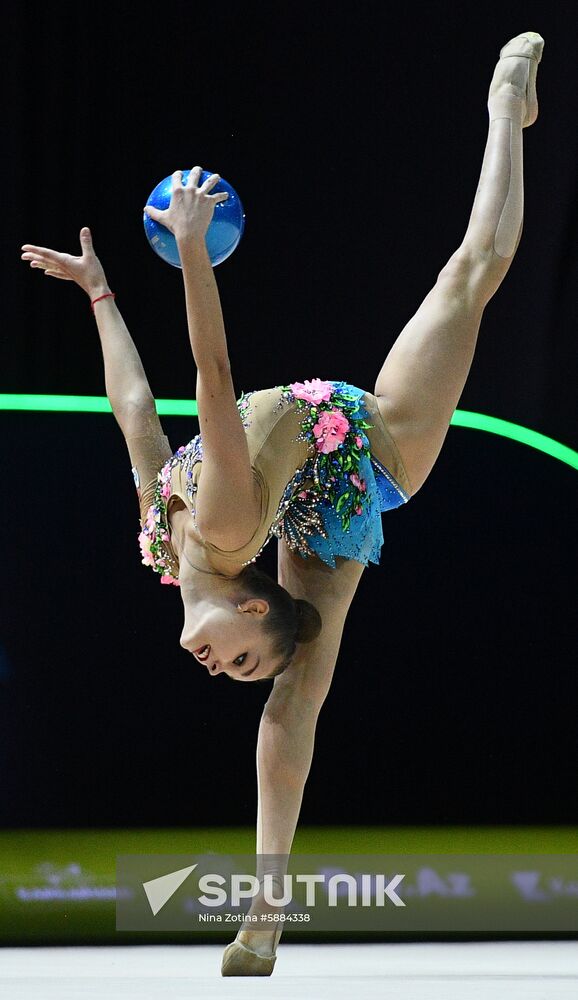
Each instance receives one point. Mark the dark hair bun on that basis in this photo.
(308, 621)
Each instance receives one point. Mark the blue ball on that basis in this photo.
(224, 232)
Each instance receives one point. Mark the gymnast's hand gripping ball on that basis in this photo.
(224, 232)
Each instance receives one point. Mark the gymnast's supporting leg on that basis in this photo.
(423, 376)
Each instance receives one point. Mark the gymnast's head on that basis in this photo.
(246, 626)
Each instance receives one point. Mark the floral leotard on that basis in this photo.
(314, 449)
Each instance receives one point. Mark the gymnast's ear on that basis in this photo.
(254, 606)
(309, 623)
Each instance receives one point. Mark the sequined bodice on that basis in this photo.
(323, 488)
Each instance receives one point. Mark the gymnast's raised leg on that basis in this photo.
(422, 378)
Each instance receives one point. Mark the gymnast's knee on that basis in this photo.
(472, 276)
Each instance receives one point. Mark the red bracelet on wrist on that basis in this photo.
(106, 295)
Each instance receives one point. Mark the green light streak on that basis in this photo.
(188, 408)
(524, 435)
(89, 404)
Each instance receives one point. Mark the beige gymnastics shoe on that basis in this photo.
(513, 81)
(238, 960)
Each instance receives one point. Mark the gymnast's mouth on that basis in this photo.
(202, 653)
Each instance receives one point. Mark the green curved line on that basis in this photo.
(524, 435)
(188, 408)
(89, 404)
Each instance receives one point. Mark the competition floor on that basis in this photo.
(485, 971)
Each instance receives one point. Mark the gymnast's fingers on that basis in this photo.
(193, 178)
(210, 182)
(57, 274)
(29, 250)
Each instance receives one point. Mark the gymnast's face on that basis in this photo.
(227, 638)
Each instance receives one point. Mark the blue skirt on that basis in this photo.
(351, 488)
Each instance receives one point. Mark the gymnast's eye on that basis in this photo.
(240, 658)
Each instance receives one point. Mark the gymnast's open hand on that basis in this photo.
(191, 209)
(86, 270)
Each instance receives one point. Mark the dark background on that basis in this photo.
(354, 136)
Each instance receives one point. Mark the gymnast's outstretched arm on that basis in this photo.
(288, 723)
(228, 503)
(126, 383)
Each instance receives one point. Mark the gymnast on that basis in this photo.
(313, 463)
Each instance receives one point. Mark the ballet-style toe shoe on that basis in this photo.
(528, 45)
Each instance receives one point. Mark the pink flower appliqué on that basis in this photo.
(358, 441)
(145, 548)
(330, 430)
(170, 579)
(314, 391)
(360, 483)
(358, 510)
